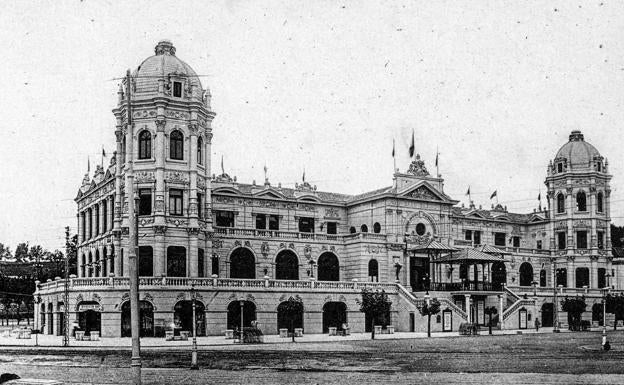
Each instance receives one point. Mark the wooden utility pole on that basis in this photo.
(132, 237)
(66, 293)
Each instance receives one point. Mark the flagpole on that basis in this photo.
(393, 157)
(437, 167)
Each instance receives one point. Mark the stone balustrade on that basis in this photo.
(288, 235)
(230, 283)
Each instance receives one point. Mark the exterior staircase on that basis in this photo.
(515, 303)
(419, 302)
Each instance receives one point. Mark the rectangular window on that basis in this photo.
(177, 89)
(105, 215)
(273, 222)
(468, 235)
(200, 263)
(602, 278)
(499, 239)
(331, 227)
(477, 237)
(600, 236)
(581, 239)
(261, 221)
(97, 219)
(224, 218)
(516, 241)
(306, 225)
(145, 201)
(559, 167)
(200, 205)
(561, 240)
(215, 265)
(175, 202)
(539, 244)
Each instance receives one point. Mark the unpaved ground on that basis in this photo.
(547, 358)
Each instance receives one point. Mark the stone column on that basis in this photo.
(468, 308)
(570, 271)
(193, 229)
(117, 211)
(160, 226)
(593, 270)
(101, 212)
(500, 310)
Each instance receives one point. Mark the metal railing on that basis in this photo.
(466, 286)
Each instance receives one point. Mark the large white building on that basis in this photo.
(256, 245)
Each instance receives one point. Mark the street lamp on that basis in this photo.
(242, 305)
(194, 365)
(605, 291)
(37, 301)
(534, 284)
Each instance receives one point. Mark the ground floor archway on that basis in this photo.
(183, 317)
(334, 315)
(146, 319)
(234, 314)
(90, 321)
(548, 315)
(285, 322)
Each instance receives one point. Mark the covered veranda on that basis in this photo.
(475, 271)
(423, 272)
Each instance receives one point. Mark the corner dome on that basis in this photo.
(578, 154)
(163, 66)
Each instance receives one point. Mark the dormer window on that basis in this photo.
(559, 167)
(599, 167)
(177, 89)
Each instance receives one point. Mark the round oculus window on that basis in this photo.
(420, 229)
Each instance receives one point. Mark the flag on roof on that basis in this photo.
(393, 147)
(468, 192)
(412, 146)
(493, 194)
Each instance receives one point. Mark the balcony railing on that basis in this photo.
(287, 235)
(232, 283)
(466, 286)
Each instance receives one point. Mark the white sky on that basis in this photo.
(496, 85)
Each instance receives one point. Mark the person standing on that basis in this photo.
(537, 324)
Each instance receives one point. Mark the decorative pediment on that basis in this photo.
(269, 193)
(308, 198)
(476, 214)
(226, 190)
(423, 191)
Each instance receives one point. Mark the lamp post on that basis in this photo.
(555, 304)
(194, 365)
(605, 291)
(242, 306)
(37, 301)
(534, 284)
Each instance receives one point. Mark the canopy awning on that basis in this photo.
(492, 250)
(433, 246)
(469, 255)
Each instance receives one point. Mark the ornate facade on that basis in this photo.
(233, 245)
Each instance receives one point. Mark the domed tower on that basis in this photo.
(578, 197)
(164, 164)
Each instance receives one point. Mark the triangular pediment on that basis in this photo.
(475, 214)
(269, 193)
(536, 218)
(423, 191)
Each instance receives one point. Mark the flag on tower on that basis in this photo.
(412, 146)
(437, 153)
(493, 194)
(88, 164)
(393, 147)
(468, 192)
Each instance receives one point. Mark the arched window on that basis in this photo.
(328, 267)
(376, 228)
(364, 229)
(200, 150)
(352, 229)
(560, 203)
(599, 202)
(373, 270)
(242, 264)
(286, 265)
(176, 145)
(526, 274)
(581, 201)
(542, 278)
(145, 145)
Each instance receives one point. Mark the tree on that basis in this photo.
(615, 306)
(21, 252)
(292, 308)
(430, 307)
(490, 311)
(617, 234)
(5, 253)
(376, 306)
(575, 308)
